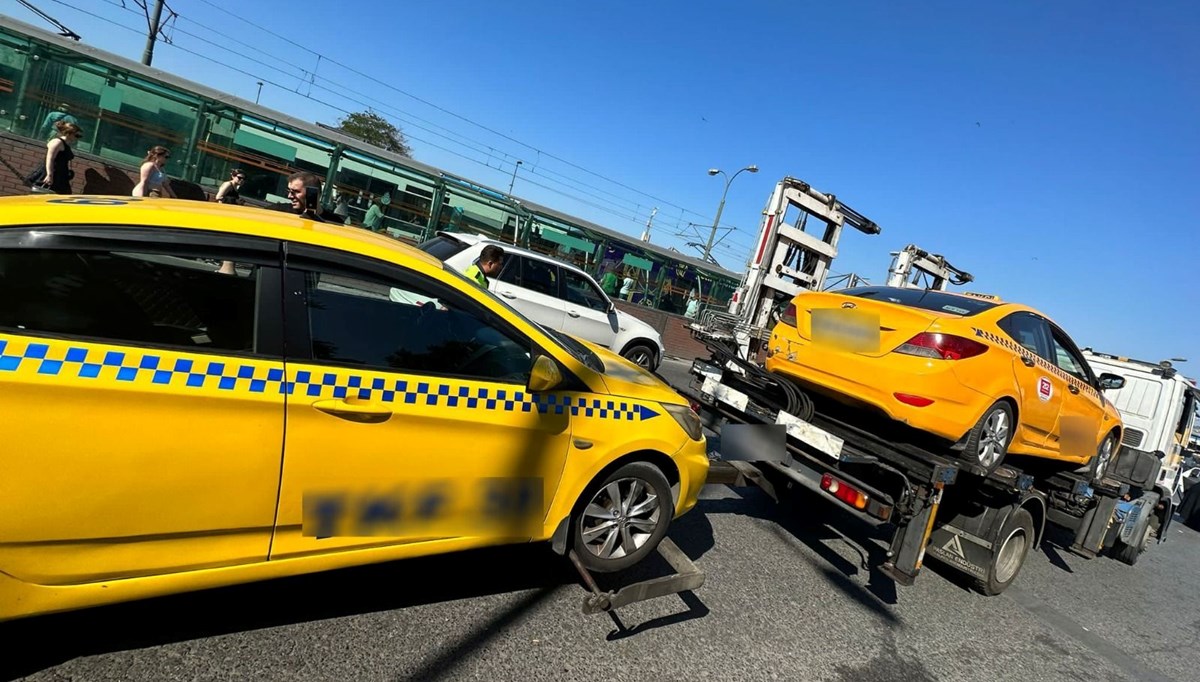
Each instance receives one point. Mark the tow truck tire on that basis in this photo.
(1012, 548)
(633, 504)
(996, 422)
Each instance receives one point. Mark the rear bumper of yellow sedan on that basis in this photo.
(922, 393)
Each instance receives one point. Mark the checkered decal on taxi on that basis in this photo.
(1017, 348)
(61, 359)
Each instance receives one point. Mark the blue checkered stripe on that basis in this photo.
(63, 360)
(388, 389)
(1041, 362)
(57, 359)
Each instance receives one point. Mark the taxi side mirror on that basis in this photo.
(544, 376)
(1110, 381)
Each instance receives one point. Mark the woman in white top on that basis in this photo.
(153, 182)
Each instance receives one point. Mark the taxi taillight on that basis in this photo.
(789, 315)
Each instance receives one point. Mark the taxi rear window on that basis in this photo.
(925, 299)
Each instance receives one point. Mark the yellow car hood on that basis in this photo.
(625, 379)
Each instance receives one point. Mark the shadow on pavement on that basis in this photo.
(35, 644)
(815, 523)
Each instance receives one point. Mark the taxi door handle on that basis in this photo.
(572, 313)
(508, 294)
(361, 412)
(1072, 388)
(1027, 361)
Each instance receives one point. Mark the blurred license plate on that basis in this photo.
(850, 330)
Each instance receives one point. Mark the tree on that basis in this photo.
(372, 128)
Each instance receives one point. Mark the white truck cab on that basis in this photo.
(1158, 406)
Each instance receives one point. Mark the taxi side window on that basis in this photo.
(404, 327)
(1029, 332)
(139, 298)
(1067, 360)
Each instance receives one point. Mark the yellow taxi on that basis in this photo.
(986, 377)
(197, 395)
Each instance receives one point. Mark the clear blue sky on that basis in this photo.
(1051, 149)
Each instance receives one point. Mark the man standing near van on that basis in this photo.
(488, 265)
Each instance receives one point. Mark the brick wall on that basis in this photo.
(676, 337)
(92, 174)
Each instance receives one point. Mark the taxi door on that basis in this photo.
(405, 422)
(1040, 390)
(143, 419)
(1082, 420)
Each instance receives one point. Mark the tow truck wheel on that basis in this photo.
(624, 518)
(987, 443)
(1014, 542)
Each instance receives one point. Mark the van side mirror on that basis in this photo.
(1111, 381)
(544, 376)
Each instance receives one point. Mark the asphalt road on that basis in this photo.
(789, 595)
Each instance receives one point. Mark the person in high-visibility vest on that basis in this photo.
(488, 265)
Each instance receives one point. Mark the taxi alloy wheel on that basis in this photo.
(1103, 458)
(988, 442)
(624, 519)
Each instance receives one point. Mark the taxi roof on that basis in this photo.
(200, 215)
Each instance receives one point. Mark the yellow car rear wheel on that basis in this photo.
(987, 442)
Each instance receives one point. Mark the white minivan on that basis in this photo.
(556, 295)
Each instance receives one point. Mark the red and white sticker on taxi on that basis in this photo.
(1045, 389)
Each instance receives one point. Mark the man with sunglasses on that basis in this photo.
(303, 190)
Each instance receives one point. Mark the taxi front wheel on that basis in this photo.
(625, 517)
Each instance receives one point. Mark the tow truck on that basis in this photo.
(929, 503)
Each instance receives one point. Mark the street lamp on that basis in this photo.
(713, 171)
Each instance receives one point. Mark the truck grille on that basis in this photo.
(1132, 438)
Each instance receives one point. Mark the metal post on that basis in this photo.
(713, 235)
(148, 55)
(260, 84)
(191, 165)
(514, 178)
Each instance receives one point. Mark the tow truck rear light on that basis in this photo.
(789, 315)
(844, 491)
(942, 346)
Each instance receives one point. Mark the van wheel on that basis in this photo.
(987, 443)
(1015, 541)
(640, 355)
(625, 517)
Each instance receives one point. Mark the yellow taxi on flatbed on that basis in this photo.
(988, 377)
(198, 395)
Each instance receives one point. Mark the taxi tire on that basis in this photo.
(650, 475)
(973, 437)
(1096, 476)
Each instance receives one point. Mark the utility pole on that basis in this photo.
(148, 55)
